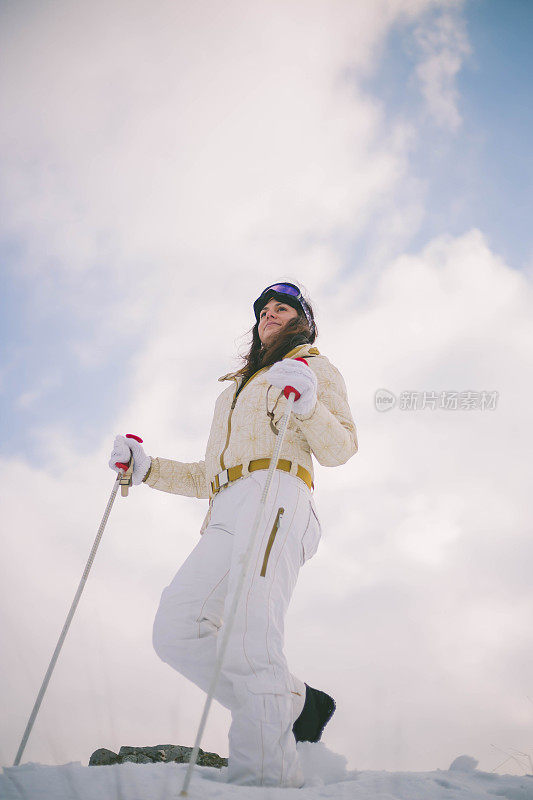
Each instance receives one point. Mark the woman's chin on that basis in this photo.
(271, 336)
(268, 341)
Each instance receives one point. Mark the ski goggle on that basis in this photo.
(288, 289)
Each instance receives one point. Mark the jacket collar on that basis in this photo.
(297, 352)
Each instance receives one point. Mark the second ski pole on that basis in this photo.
(291, 394)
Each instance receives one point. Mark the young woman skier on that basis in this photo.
(271, 708)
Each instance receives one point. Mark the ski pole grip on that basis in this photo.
(290, 389)
(125, 478)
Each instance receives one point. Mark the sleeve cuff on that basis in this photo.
(305, 417)
(150, 474)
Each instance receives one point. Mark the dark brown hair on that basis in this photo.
(294, 333)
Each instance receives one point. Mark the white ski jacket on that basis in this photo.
(241, 430)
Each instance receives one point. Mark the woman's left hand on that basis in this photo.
(290, 372)
(126, 447)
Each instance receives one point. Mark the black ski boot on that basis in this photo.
(316, 713)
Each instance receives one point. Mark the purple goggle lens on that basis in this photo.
(284, 288)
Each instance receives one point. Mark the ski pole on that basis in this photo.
(291, 394)
(124, 481)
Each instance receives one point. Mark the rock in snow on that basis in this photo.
(151, 755)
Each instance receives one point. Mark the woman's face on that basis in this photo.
(273, 318)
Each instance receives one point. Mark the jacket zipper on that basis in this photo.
(289, 355)
(229, 432)
(231, 412)
(270, 542)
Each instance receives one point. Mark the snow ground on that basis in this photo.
(325, 773)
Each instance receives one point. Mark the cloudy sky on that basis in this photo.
(160, 163)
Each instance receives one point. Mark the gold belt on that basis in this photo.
(234, 473)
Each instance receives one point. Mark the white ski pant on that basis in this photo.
(255, 683)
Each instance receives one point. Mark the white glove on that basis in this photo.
(290, 372)
(126, 448)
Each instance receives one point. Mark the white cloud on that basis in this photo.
(30, 398)
(444, 45)
(184, 139)
(434, 539)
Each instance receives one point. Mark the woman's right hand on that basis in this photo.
(125, 448)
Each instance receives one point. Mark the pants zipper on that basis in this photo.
(271, 540)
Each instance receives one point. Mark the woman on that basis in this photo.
(271, 708)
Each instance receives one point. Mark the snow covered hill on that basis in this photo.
(325, 772)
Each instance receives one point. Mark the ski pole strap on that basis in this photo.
(125, 479)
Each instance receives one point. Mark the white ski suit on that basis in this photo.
(265, 699)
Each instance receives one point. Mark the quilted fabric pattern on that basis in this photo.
(242, 429)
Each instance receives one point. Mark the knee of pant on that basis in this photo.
(172, 633)
(158, 642)
(167, 633)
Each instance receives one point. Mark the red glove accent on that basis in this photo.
(290, 389)
(128, 436)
